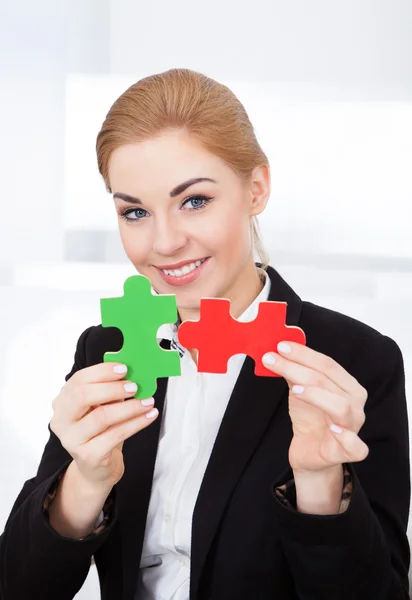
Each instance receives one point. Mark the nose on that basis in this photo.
(168, 237)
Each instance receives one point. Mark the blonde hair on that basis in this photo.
(188, 100)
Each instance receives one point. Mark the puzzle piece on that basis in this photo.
(217, 336)
(139, 314)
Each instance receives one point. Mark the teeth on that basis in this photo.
(184, 270)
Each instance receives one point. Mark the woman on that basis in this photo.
(232, 486)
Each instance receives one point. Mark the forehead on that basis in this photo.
(161, 163)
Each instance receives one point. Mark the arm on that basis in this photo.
(363, 551)
(74, 506)
(289, 491)
(35, 561)
(319, 495)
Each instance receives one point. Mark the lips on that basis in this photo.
(185, 278)
(185, 270)
(179, 264)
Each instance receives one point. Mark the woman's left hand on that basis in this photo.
(331, 396)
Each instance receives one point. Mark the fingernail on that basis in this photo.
(152, 413)
(298, 389)
(268, 359)
(120, 369)
(148, 401)
(283, 347)
(335, 428)
(130, 387)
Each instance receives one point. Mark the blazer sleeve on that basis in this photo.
(363, 552)
(35, 560)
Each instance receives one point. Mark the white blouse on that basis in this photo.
(193, 410)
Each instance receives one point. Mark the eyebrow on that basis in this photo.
(175, 191)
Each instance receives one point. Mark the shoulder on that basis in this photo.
(357, 346)
(329, 331)
(333, 322)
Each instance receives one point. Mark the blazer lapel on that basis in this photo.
(240, 432)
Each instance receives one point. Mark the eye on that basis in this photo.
(139, 211)
(197, 202)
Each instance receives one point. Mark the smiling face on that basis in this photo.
(190, 240)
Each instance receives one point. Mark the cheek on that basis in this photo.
(134, 244)
(233, 233)
(227, 227)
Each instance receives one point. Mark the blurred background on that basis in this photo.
(328, 86)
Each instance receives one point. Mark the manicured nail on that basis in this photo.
(130, 387)
(298, 389)
(120, 369)
(148, 401)
(283, 347)
(152, 413)
(268, 359)
(335, 428)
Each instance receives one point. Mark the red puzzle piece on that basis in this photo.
(217, 336)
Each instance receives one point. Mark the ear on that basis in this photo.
(259, 189)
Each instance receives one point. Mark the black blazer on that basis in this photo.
(246, 545)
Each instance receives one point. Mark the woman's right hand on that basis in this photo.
(92, 420)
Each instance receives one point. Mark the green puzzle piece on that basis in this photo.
(139, 314)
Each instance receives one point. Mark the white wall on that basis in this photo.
(268, 40)
(40, 43)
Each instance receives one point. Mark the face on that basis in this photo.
(192, 240)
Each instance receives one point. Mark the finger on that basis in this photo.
(90, 395)
(295, 373)
(114, 436)
(99, 373)
(350, 447)
(341, 409)
(104, 417)
(325, 365)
